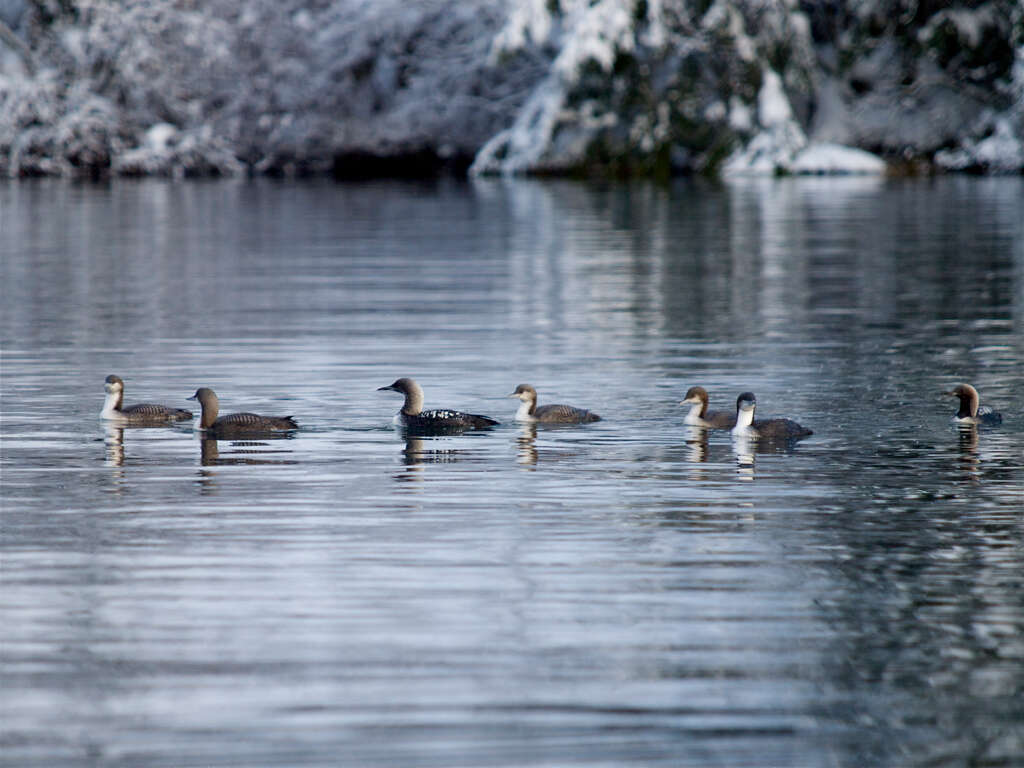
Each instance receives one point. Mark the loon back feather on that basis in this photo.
(156, 411)
(780, 428)
(255, 422)
(565, 414)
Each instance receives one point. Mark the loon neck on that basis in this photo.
(696, 414)
(413, 404)
(744, 418)
(210, 410)
(112, 404)
(526, 410)
(968, 406)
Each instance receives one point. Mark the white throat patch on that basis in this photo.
(744, 418)
(523, 414)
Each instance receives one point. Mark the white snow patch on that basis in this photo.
(1002, 152)
(765, 156)
(801, 25)
(656, 34)
(969, 24)
(715, 112)
(724, 17)
(741, 118)
(303, 19)
(159, 138)
(599, 32)
(773, 108)
(836, 159)
(529, 22)
(166, 150)
(782, 146)
(521, 146)
(583, 30)
(774, 148)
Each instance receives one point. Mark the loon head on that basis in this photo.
(525, 393)
(413, 395)
(697, 397)
(114, 387)
(968, 396)
(210, 404)
(528, 396)
(745, 405)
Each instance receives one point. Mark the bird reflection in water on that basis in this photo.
(745, 448)
(527, 442)
(242, 452)
(970, 459)
(419, 451)
(697, 444)
(555, 451)
(113, 440)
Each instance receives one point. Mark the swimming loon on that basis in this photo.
(970, 412)
(414, 417)
(143, 413)
(236, 423)
(549, 414)
(769, 429)
(700, 416)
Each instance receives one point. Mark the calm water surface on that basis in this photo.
(627, 592)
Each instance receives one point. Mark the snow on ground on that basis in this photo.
(835, 158)
(1002, 152)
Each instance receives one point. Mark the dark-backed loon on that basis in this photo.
(143, 413)
(700, 416)
(549, 414)
(769, 429)
(970, 411)
(412, 415)
(236, 423)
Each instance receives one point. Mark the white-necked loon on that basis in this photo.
(769, 429)
(700, 416)
(236, 423)
(412, 415)
(549, 414)
(143, 413)
(970, 411)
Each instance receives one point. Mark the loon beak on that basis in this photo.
(514, 394)
(191, 398)
(386, 389)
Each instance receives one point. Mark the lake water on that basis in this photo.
(629, 592)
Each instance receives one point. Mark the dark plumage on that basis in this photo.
(414, 418)
(236, 423)
(549, 414)
(775, 428)
(142, 413)
(699, 414)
